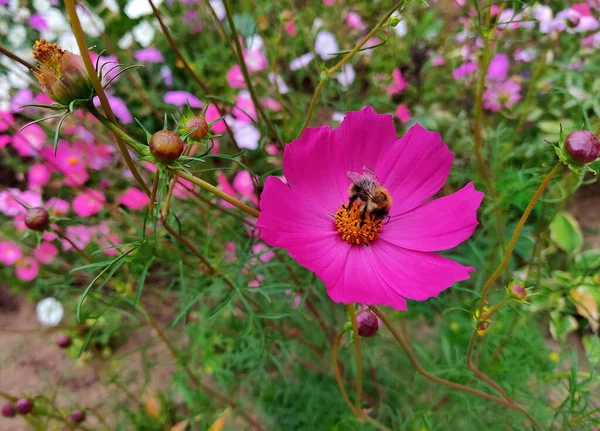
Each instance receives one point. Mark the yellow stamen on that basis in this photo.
(48, 54)
(73, 160)
(354, 230)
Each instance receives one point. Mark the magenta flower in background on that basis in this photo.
(10, 252)
(464, 70)
(353, 20)
(212, 113)
(79, 234)
(499, 95)
(402, 113)
(302, 61)
(438, 61)
(326, 45)
(255, 60)
(38, 22)
(235, 77)
(182, 99)
(149, 55)
(57, 207)
(20, 98)
(244, 109)
(118, 106)
(399, 84)
(88, 203)
(26, 268)
(290, 28)
(498, 68)
(30, 141)
(399, 262)
(134, 199)
(45, 253)
(38, 176)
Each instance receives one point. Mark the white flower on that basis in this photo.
(91, 23)
(338, 116)
(245, 134)
(67, 41)
(17, 36)
(302, 61)
(400, 28)
(49, 312)
(346, 76)
(42, 6)
(57, 24)
(144, 33)
(111, 5)
(126, 41)
(219, 9)
(255, 42)
(278, 80)
(4, 98)
(317, 24)
(325, 45)
(137, 8)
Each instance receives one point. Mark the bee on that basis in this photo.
(372, 196)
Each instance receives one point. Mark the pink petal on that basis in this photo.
(414, 274)
(414, 168)
(437, 225)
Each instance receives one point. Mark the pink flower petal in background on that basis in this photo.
(244, 109)
(235, 78)
(182, 99)
(38, 176)
(212, 113)
(149, 55)
(118, 106)
(30, 141)
(134, 199)
(10, 252)
(402, 113)
(464, 70)
(255, 60)
(26, 269)
(88, 203)
(498, 68)
(399, 84)
(57, 207)
(45, 253)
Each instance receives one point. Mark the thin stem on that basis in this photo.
(209, 187)
(189, 69)
(89, 66)
(153, 194)
(259, 108)
(338, 378)
(167, 205)
(345, 59)
(357, 353)
(413, 360)
(16, 58)
(210, 391)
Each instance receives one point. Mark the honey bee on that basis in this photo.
(372, 196)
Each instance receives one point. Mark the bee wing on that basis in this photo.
(363, 181)
(371, 175)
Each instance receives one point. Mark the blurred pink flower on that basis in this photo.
(182, 99)
(38, 22)
(290, 28)
(244, 109)
(399, 84)
(235, 78)
(119, 107)
(498, 68)
(438, 61)
(14, 201)
(212, 113)
(110, 69)
(301, 62)
(230, 254)
(353, 20)
(30, 141)
(20, 98)
(264, 252)
(10, 252)
(57, 207)
(107, 240)
(149, 55)
(329, 2)
(326, 45)
(464, 70)
(79, 234)
(271, 104)
(68, 161)
(400, 262)
(499, 95)
(225, 185)
(245, 134)
(184, 189)
(133, 198)
(6, 120)
(45, 253)
(255, 60)
(524, 55)
(38, 176)
(402, 113)
(88, 203)
(26, 268)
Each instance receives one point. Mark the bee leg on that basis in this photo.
(363, 214)
(351, 202)
(388, 219)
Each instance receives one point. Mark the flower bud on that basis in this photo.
(166, 146)
(37, 219)
(517, 292)
(63, 341)
(61, 73)
(77, 416)
(582, 146)
(199, 124)
(367, 323)
(9, 411)
(24, 406)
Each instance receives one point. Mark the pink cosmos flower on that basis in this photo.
(255, 60)
(235, 77)
(29, 141)
(399, 262)
(27, 268)
(38, 176)
(212, 113)
(464, 70)
(79, 234)
(57, 207)
(45, 253)
(290, 28)
(399, 84)
(119, 107)
(149, 55)
(244, 109)
(10, 252)
(181, 99)
(134, 199)
(500, 95)
(88, 203)
(402, 113)
(498, 68)
(353, 20)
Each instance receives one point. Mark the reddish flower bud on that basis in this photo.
(294, 333)
(518, 292)
(582, 146)
(77, 416)
(166, 146)
(199, 124)
(24, 406)
(63, 341)
(367, 324)
(37, 219)
(9, 411)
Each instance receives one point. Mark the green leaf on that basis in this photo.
(566, 233)
(561, 325)
(588, 259)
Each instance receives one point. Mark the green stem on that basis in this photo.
(345, 59)
(358, 356)
(251, 90)
(89, 66)
(153, 194)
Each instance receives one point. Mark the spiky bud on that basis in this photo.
(77, 416)
(367, 323)
(24, 406)
(37, 219)
(517, 292)
(582, 146)
(199, 124)
(63, 341)
(166, 146)
(61, 73)
(9, 410)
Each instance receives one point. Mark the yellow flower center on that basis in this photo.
(73, 160)
(48, 54)
(355, 230)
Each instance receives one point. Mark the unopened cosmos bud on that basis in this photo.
(166, 146)
(37, 219)
(367, 323)
(582, 146)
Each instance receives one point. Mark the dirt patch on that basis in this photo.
(584, 207)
